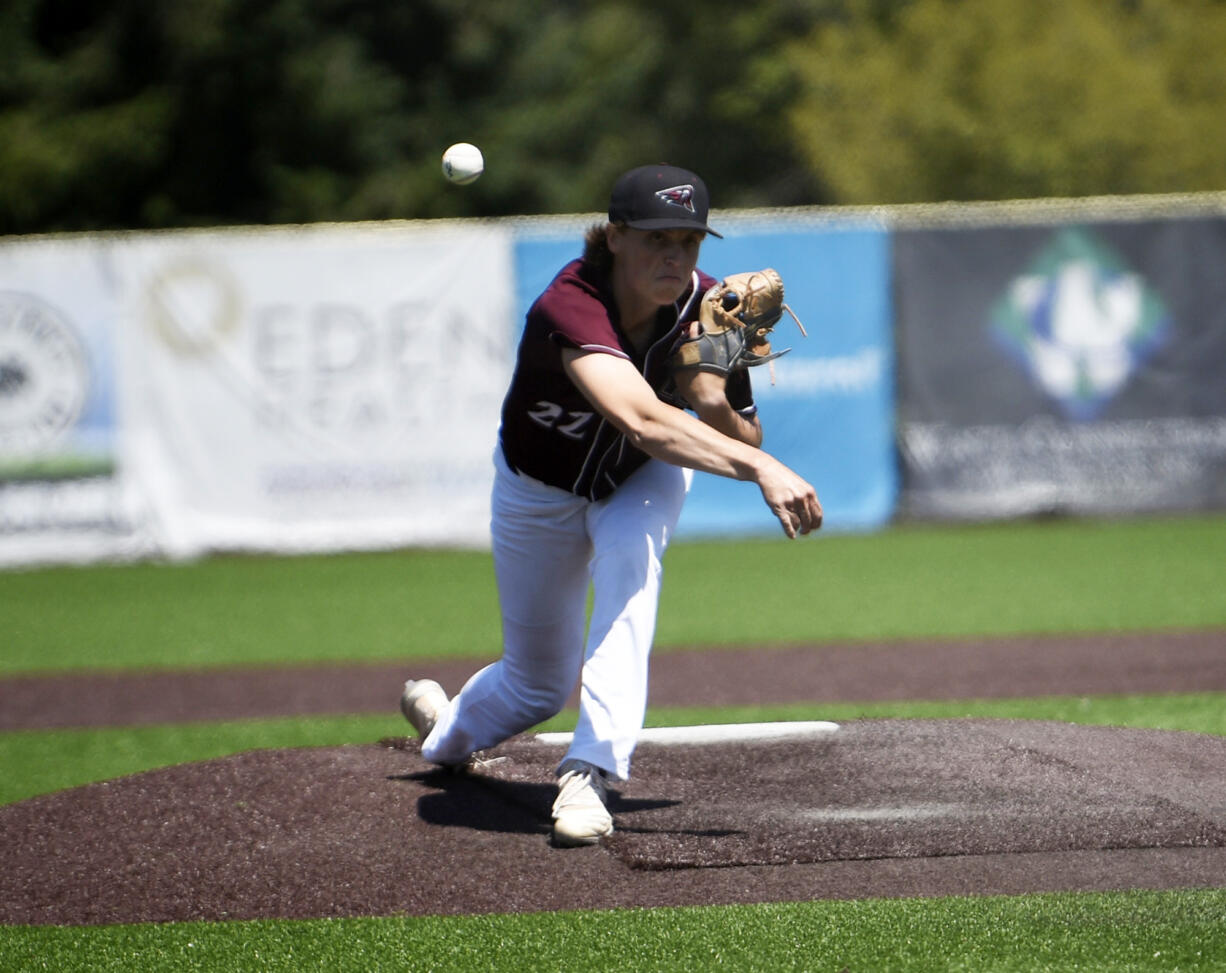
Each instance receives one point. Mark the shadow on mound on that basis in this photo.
(483, 804)
(880, 808)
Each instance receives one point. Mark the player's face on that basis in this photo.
(655, 265)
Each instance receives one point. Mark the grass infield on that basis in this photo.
(1049, 577)
(1128, 931)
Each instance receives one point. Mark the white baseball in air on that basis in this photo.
(463, 163)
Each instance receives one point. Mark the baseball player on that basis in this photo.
(591, 470)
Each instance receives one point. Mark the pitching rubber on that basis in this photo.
(717, 733)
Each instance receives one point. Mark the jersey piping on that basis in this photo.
(584, 483)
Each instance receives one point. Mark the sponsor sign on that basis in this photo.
(61, 495)
(1062, 369)
(321, 388)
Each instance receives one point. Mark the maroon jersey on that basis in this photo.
(549, 430)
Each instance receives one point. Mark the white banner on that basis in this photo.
(316, 388)
(61, 498)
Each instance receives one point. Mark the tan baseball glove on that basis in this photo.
(735, 320)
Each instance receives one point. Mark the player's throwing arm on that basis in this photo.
(620, 394)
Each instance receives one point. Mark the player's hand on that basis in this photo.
(791, 499)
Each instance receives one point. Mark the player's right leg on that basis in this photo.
(541, 551)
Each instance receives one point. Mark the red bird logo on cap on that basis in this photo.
(682, 196)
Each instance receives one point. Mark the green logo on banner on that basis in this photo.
(1081, 322)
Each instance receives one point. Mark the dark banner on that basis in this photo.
(1073, 368)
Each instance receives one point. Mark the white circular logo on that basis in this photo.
(44, 374)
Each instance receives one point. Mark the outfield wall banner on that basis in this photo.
(829, 413)
(1062, 368)
(316, 388)
(62, 497)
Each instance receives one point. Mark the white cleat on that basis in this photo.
(422, 702)
(580, 816)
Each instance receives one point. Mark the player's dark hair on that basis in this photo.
(596, 252)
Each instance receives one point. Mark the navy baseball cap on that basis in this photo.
(661, 198)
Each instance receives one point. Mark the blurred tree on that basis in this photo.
(134, 113)
(993, 99)
(78, 133)
(598, 87)
(139, 113)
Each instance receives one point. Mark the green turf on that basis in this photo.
(1075, 576)
(1189, 712)
(1129, 931)
(1058, 576)
(250, 610)
(40, 761)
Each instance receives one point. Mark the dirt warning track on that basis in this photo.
(1166, 662)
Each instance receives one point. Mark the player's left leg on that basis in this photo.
(630, 531)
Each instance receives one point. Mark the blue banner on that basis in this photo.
(829, 413)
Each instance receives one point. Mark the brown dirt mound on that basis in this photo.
(881, 808)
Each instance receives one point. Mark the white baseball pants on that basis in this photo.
(547, 543)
